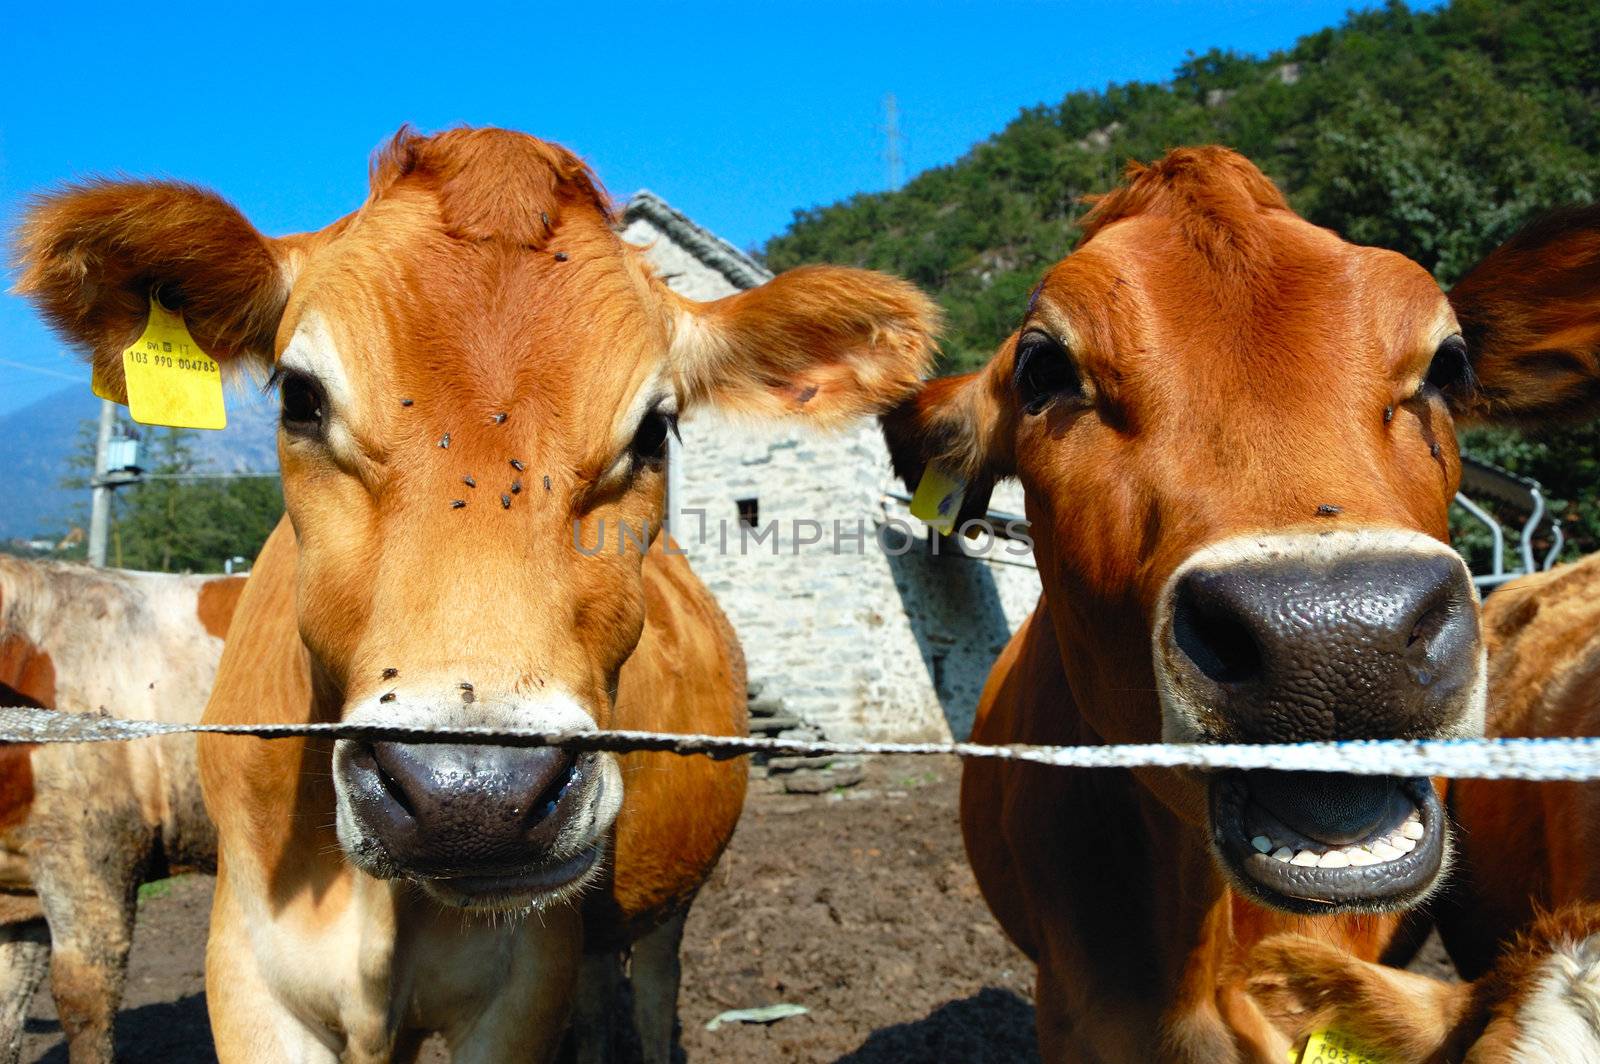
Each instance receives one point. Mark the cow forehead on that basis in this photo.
(392, 304)
(1150, 292)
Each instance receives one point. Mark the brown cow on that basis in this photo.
(1539, 1004)
(82, 826)
(1529, 846)
(478, 377)
(1235, 434)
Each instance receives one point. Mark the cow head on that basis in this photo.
(1235, 432)
(478, 380)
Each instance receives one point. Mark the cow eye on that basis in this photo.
(1044, 371)
(1451, 370)
(650, 441)
(301, 399)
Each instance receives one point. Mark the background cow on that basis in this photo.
(1539, 1002)
(1525, 846)
(478, 378)
(81, 826)
(1235, 432)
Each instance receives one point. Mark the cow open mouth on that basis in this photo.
(1315, 842)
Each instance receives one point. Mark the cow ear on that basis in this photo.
(820, 342)
(91, 256)
(961, 426)
(1530, 314)
(1302, 984)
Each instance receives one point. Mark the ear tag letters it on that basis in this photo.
(170, 380)
(1331, 1047)
(937, 499)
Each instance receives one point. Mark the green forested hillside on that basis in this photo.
(1432, 133)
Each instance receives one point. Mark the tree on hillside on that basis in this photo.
(176, 521)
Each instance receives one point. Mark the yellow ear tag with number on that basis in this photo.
(170, 380)
(937, 499)
(1331, 1047)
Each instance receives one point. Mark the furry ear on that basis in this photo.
(962, 425)
(821, 342)
(1530, 313)
(1303, 984)
(90, 257)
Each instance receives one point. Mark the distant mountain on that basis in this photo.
(37, 440)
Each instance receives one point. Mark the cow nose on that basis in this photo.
(453, 810)
(1360, 647)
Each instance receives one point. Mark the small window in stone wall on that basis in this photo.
(937, 660)
(749, 512)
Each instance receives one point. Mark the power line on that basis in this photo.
(40, 369)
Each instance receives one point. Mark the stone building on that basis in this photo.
(847, 609)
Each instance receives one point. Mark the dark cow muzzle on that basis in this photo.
(1323, 637)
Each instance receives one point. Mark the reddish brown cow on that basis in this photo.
(477, 377)
(1235, 434)
(1530, 846)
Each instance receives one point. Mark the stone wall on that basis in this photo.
(864, 633)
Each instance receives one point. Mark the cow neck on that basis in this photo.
(1200, 929)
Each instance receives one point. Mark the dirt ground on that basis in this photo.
(857, 905)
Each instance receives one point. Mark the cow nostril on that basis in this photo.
(1217, 643)
(544, 806)
(367, 757)
(1429, 625)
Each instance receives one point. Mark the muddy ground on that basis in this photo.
(857, 905)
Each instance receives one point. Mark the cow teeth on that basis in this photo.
(1413, 830)
(1361, 856)
(1305, 859)
(1334, 859)
(1262, 843)
(1403, 844)
(1282, 853)
(1383, 851)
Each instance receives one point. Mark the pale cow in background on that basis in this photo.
(81, 826)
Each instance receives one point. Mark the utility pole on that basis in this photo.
(891, 132)
(100, 511)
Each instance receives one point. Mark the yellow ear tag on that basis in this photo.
(1331, 1047)
(170, 380)
(937, 499)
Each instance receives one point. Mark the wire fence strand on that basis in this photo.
(1569, 759)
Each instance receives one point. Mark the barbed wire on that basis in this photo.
(1568, 759)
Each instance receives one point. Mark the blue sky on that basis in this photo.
(735, 113)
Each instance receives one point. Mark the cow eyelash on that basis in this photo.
(1044, 372)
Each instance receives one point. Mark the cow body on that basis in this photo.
(394, 965)
(1234, 432)
(85, 824)
(1530, 847)
(478, 381)
(1140, 943)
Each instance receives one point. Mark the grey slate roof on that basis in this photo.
(740, 269)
